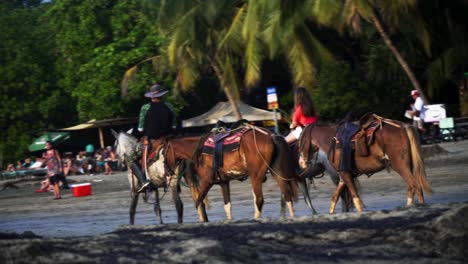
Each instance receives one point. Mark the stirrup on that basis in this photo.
(143, 187)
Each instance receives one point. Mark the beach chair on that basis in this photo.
(447, 129)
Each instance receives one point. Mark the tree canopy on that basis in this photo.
(66, 61)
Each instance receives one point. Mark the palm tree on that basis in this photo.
(449, 62)
(283, 29)
(375, 11)
(197, 37)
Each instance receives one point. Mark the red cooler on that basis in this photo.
(82, 189)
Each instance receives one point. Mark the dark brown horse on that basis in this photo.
(395, 144)
(259, 151)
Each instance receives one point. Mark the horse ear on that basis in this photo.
(130, 131)
(114, 133)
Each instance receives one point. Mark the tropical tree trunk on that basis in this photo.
(463, 92)
(388, 42)
(226, 89)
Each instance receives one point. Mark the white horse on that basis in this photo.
(129, 151)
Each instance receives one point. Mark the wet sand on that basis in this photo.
(34, 228)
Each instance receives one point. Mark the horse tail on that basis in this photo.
(283, 166)
(416, 159)
(193, 184)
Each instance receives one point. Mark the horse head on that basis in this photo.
(308, 151)
(126, 146)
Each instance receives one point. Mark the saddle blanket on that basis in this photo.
(369, 134)
(231, 142)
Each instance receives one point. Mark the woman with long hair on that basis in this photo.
(53, 163)
(304, 114)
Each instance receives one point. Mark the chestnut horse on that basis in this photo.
(259, 151)
(128, 150)
(395, 144)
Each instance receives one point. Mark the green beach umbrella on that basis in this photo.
(54, 137)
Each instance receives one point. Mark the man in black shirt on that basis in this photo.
(159, 117)
(157, 122)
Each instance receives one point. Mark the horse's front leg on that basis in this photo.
(335, 177)
(226, 190)
(133, 204)
(257, 188)
(206, 182)
(175, 190)
(157, 206)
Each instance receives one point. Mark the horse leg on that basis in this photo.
(347, 178)
(226, 190)
(335, 196)
(194, 189)
(335, 177)
(175, 190)
(133, 205)
(157, 206)
(283, 207)
(257, 185)
(305, 192)
(206, 182)
(413, 186)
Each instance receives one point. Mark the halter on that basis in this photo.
(167, 146)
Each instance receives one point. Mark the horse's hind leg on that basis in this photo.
(286, 195)
(348, 180)
(175, 190)
(413, 186)
(133, 205)
(157, 206)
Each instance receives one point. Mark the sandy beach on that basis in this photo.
(36, 229)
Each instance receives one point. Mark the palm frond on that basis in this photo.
(233, 34)
(325, 12)
(302, 70)
(128, 75)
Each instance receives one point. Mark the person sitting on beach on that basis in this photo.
(81, 162)
(38, 164)
(45, 186)
(69, 165)
(27, 163)
(98, 156)
(10, 168)
(110, 160)
(19, 165)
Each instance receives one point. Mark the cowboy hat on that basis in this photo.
(156, 91)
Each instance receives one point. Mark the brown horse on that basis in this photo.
(259, 151)
(395, 144)
(126, 147)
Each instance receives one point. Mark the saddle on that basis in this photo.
(364, 137)
(223, 140)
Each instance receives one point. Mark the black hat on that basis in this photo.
(156, 91)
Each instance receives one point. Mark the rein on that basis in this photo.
(179, 176)
(254, 128)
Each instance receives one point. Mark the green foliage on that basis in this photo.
(28, 96)
(340, 90)
(99, 40)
